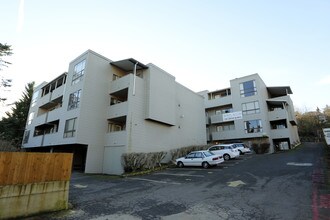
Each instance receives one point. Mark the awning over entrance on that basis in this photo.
(128, 64)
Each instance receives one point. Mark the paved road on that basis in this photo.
(289, 185)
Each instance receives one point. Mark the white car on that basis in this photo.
(227, 151)
(199, 158)
(242, 148)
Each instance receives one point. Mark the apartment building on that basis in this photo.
(101, 109)
(251, 112)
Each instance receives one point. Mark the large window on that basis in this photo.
(78, 72)
(70, 128)
(250, 108)
(253, 126)
(74, 100)
(26, 136)
(34, 98)
(115, 126)
(248, 88)
(30, 118)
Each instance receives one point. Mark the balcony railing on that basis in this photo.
(52, 139)
(218, 102)
(121, 83)
(277, 114)
(224, 135)
(280, 133)
(216, 118)
(117, 110)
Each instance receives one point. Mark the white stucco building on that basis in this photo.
(249, 111)
(101, 109)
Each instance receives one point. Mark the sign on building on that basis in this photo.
(232, 116)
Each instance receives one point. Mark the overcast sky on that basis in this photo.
(204, 44)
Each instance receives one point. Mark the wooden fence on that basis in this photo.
(24, 168)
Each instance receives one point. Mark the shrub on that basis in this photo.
(133, 162)
(261, 148)
(6, 146)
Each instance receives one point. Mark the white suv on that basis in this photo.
(242, 148)
(226, 150)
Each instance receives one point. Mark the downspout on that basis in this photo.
(134, 79)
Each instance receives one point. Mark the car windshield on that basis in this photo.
(208, 154)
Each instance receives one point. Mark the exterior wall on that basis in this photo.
(235, 101)
(159, 116)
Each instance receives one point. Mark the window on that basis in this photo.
(115, 77)
(250, 108)
(26, 136)
(70, 128)
(78, 72)
(253, 126)
(31, 115)
(279, 124)
(34, 98)
(50, 87)
(248, 88)
(113, 127)
(74, 100)
(191, 155)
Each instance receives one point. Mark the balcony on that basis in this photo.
(39, 120)
(121, 83)
(118, 138)
(34, 141)
(225, 135)
(280, 133)
(117, 110)
(52, 139)
(54, 114)
(58, 92)
(216, 119)
(226, 100)
(277, 114)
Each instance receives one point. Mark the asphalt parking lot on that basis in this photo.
(287, 185)
(177, 175)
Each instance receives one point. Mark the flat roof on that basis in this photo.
(128, 64)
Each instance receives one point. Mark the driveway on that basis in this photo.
(288, 185)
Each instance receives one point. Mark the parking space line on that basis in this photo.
(173, 174)
(192, 169)
(155, 181)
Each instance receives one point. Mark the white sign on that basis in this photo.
(232, 116)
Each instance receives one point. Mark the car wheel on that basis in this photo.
(205, 165)
(226, 157)
(240, 152)
(180, 164)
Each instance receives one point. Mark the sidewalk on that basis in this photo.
(321, 188)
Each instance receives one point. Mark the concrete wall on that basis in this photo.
(28, 199)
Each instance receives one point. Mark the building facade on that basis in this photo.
(101, 109)
(251, 112)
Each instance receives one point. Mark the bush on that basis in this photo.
(6, 146)
(261, 148)
(133, 162)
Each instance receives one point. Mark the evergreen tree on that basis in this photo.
(13, 124)
(5, 50)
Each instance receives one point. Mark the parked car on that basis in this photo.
(227, 151)
(242, 148)
(199, 158)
